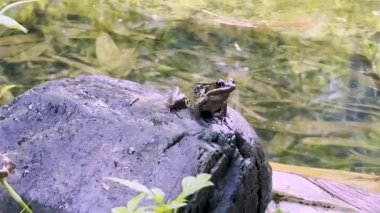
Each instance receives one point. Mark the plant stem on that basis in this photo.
(15, 196)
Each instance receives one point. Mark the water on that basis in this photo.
(307, 72)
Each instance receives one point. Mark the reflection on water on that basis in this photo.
(307, 74)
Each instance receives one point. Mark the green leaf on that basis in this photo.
(160, 209)
(175, 205)
(9, 6)
(81, 66)
(180, 199)
(158, 195)
(278, 211)
(11, 23)
(142, 210)
(121, 209)
(191, 184)
(6, 88)
(131, 184)
(134, 202)
(106, 49)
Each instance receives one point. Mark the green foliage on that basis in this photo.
(5, 93)
(190, 185)
(132, 206)
(278, 211)
(8, 21)
(5, 89)
(15, 196)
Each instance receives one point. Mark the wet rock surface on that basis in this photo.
(66, 135)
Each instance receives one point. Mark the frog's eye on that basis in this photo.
(219, 83)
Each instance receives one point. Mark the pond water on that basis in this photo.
(307, 71)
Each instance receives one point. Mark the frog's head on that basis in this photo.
(216, 88)
(227, 85)
(221, 87)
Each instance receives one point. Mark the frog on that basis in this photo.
(211, 98)
(208, 100)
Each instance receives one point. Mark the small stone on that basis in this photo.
(131, 150)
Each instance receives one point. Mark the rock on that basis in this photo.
(66, 135)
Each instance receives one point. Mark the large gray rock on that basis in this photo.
(66, 135)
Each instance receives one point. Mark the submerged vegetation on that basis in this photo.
(307, 71)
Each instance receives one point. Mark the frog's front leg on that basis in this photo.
(222, 114)
(197, 108)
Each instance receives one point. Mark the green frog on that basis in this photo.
(208, 100)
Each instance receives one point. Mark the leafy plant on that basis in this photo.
(6, 95)
(278, 211)
(10, 22)
(190, 185)
(6, 88)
